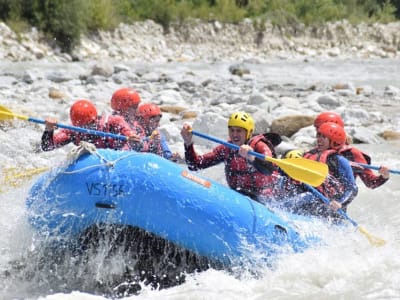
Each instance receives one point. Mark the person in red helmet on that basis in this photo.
(354, 155)
(83, 113)
(125, 102)
(328, 116)
(339, 187)
(147, 122)
(244, 173)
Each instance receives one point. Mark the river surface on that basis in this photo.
(347, 267)
(376, 73)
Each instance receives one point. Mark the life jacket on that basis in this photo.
(148, 144)
(270, 139)
(99, 141)
(244, 177)
(355, 155)
(105, 126)
(331, 187)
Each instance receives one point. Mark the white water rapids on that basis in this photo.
(348, 267)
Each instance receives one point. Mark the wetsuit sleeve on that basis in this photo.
(160, 148)
(47, 140)
(51, 140)
(371, 180)
(196, 162)
(346, 178)
(368, 177)
(166, 152)
(117, 125)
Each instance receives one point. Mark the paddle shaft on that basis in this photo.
(327, 201)
(232, 146)
(376, 241)
(377, 168)
(73, 128)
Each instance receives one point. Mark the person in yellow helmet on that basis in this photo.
(244, 173)
(293, 153)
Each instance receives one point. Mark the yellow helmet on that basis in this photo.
(293, 153)
(243, 120)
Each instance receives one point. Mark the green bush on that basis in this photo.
(64, 21)
(100, 14)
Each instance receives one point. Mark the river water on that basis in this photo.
(347, 267)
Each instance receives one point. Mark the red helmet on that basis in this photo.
(328, 116)
(148, 110)
(82, 112)
(124, 98)
(334, 133)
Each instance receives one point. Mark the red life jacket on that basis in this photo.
(355, 155)
(244, 177)
(148, 144)
(253, 142)
(331, 187)
(112, 124)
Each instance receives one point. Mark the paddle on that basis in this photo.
(6, 114)
(301, 169)
(375, 241)
(377, 168)
(13, 177)
(5, 110)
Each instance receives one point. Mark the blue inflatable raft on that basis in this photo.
(163, 198)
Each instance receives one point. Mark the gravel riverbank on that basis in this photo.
(194, 41)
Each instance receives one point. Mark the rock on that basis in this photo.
(239, 69)
(390, 135)
(168, 97)
(28, 77)
(189, 115)
(355, 116)
(289, 125)
(58, 77)
(328, 102)
(103, 68)
(56, 94)
(392, 91)
(120, 68)
(257, 99)
(364, 135)
(172, 109)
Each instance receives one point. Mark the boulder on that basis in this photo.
(289, 125)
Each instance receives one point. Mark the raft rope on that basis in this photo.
(13, 177)
(84, 148)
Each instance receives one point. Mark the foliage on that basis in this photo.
(65, 20)
(100, 14)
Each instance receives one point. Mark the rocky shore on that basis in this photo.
(194, 41)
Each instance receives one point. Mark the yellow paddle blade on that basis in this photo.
(302, 169)
(372, 239)
(6, 114)
(13, 177)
